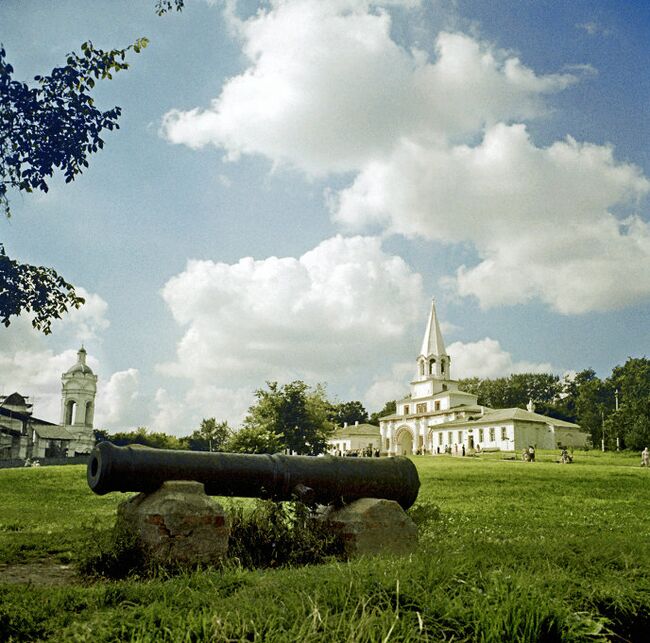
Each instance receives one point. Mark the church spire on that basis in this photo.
(433, 360)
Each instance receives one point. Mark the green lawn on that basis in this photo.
(509, 551)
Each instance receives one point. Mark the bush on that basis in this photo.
(278, 535)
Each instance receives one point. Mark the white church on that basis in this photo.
(437, 417)
(23, 435)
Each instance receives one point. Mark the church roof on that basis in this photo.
(356, 429)
(495, 416)
(432, 344)
(15, 399)
(53, 432)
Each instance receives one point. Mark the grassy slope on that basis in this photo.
(514, 552)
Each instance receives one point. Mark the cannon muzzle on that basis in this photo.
(313, 480)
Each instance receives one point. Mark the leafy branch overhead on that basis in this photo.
(51, 125)
(34, 289)
(54, 124)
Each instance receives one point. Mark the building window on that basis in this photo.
(450, 437)
(480, 435)
(460, 436)
(436, 405)
(421, 368)
(432, 367)
(504, 433)
(407, 409)
(421, 407)
(440, 438)
(444, 387)
(442, 366)
(491, 434)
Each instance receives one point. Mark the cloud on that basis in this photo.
(391, 387)
(328, 90)
(85, 323)
(486, 359)
(339, 307)
(437, 148)
(593, 28)
(181, 413)
(540, 218)
(119, 403)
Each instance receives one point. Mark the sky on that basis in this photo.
(294, 180)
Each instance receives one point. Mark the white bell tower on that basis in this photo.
(78, 390)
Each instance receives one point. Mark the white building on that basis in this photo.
(23, 435)
(354, 437)
(437, 417)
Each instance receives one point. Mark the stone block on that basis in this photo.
(177, 523)
(371, 526)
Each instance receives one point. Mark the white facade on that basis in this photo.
(357, 437)
(437, 417)
(78, 391)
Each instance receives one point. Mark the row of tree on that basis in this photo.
(301, 419)
(294, 417)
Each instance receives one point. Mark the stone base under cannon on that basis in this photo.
(371, 526)
(179, 523)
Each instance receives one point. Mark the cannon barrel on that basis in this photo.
(314, 480)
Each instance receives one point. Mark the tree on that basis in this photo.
(143, 436)
(255, 440)
(632, 421)
(294, 413)
(515, 390)
(389, 408)
(211, 436)
(349, 412)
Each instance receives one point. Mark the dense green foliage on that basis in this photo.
(210, 436)
(294, 414)
(347, 412)
(508, 551)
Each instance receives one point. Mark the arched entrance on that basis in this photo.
(404, 442)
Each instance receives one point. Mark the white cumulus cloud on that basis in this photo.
(337, 307)
(540, 218)
(486, 358)
(327, 89)
(118, 400)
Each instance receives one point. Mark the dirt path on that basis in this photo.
(41, 572)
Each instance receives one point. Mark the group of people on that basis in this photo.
(368, 452)
(528, 455)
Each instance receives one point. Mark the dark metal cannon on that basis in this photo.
(313, 480)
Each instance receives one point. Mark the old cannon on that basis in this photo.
(313, 480)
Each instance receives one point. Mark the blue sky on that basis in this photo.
(366, 156)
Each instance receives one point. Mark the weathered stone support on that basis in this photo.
(371, 526)
(177, 523)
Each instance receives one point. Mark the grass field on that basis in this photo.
(508, 552)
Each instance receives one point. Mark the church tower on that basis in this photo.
(78, 390)
(433, 361)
